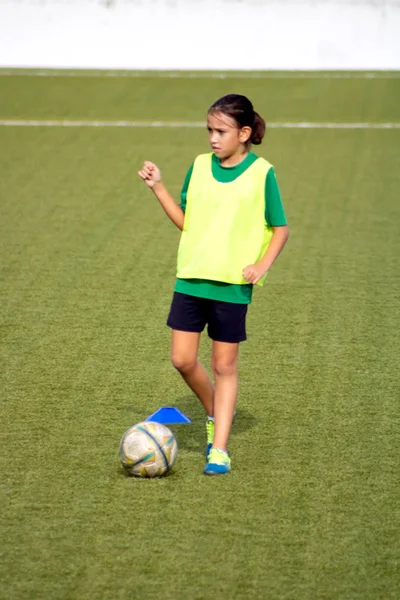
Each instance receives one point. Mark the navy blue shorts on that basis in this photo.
(226, 321)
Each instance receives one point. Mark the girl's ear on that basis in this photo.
(244, 134)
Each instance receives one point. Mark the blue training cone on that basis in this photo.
(169, 415)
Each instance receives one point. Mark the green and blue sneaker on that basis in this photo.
(210, 435)
(210, 432)
(219, 462)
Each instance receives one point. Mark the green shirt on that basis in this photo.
(274, 217)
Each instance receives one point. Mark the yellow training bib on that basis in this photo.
(224, 229)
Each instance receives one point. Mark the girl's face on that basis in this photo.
(227, 140)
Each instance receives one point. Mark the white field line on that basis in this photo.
(199, 74)
(190, 124)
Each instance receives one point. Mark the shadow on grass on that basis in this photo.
(193, 437)
(123, 473)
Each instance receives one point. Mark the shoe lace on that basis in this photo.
(218, 457)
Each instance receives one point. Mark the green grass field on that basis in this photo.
(311, 510)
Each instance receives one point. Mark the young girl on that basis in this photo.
(233, 228)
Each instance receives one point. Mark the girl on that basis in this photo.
(233, 228)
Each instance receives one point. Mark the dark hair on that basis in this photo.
(241, 110)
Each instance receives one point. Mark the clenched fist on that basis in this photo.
(150, 174)
(253, 273)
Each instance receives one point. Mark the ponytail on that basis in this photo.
(258, 129)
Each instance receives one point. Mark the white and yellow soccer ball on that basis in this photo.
(148, 449)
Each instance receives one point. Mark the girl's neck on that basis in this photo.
(235, 159)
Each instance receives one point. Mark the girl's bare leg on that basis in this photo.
(225, 368)
(185, 346)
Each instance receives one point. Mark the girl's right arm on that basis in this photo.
(151, 175)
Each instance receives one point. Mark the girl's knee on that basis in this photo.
(182, 363)
(224, 368)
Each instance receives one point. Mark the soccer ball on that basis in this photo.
(148, 449)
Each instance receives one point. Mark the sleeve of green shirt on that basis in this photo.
(274, 211)
(185, 188)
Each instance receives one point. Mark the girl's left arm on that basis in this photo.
(253, 273)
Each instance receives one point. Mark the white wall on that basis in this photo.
(200, 34)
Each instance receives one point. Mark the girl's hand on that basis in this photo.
(150, 174)
(253, 273)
